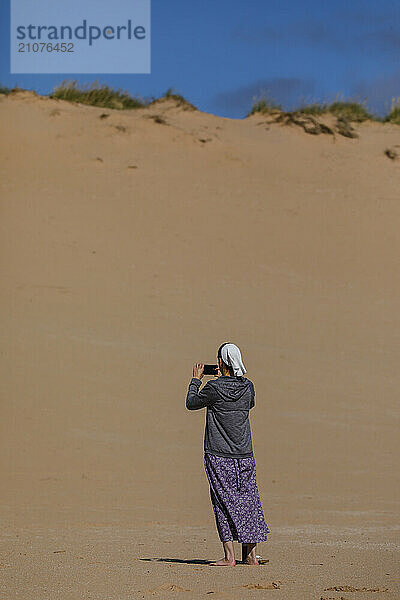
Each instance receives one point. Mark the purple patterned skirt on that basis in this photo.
(235, 499)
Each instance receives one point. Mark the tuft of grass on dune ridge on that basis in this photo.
(106, 97)
(5, 90)
(394, 114)
(349, 111)
(97, 95)
(180, 101)
(313, 109)
(352, 111)
(264, 106)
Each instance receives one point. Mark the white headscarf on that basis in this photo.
(231, 356)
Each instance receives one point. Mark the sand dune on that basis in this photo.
(132, 245)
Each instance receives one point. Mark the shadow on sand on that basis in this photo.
(195, 561)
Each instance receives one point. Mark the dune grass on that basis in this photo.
(104, 96)
(264, 106)
(313, 109)
(394, 114)
(349, 111)
(180, 101)
(97, 95)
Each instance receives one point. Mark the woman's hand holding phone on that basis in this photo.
(198, 370)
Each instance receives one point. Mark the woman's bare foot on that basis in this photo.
(249, 556)
(250, 561)
(229, 560)
(224, 563)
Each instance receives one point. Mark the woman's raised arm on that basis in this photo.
(197, 398)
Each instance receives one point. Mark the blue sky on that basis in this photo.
(222, 54)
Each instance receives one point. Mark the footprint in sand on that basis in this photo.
(56, 288)
(274, 585)
(350, 588)
(393, 152)
(168, 587)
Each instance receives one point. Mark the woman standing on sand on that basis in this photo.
(228, 454)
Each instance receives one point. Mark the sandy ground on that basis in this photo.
(131, 249)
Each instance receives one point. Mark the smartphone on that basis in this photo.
(210, 369)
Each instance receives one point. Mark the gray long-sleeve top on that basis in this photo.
(228, 400)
